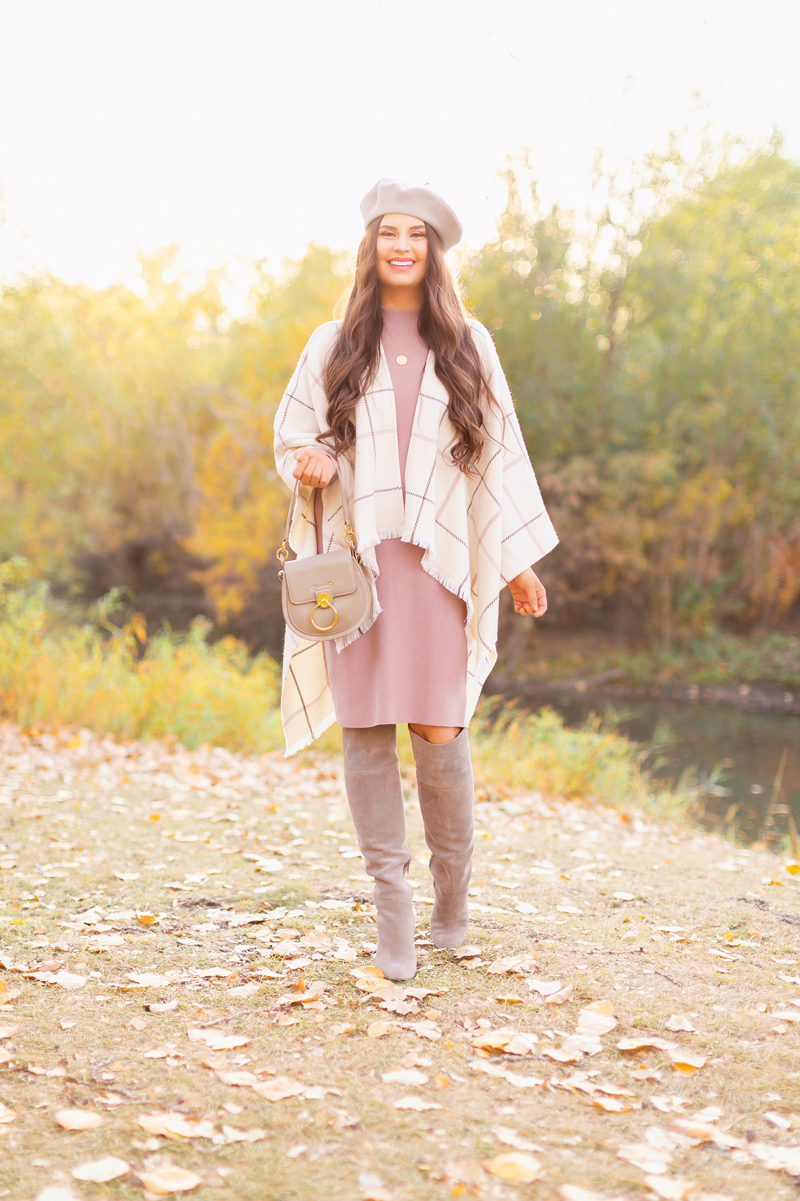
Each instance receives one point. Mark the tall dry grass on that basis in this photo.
(118, 681)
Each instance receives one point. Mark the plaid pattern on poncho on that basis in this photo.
(478, 532)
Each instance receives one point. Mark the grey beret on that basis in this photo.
(391, 196)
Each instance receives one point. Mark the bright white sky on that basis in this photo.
(244, 129)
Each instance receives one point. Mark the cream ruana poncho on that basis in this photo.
(478, 531)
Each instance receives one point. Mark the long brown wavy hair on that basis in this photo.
(354, 359)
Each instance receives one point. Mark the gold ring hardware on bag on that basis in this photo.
(351, 541)
(324, 601)
(347, 591)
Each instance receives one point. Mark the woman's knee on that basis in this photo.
(435, 734)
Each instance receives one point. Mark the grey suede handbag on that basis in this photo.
(324, 596)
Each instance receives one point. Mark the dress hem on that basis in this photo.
(383, 720)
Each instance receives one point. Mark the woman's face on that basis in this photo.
(402, 251)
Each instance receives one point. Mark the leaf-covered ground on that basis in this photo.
(188, 1003)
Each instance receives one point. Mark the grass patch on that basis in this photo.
(118, 681)
(719, 657)
(163, 864)
(517, 751)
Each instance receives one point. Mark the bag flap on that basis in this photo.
(335, 572)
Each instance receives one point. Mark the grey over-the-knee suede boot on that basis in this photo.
(375, 795)
(446, 801)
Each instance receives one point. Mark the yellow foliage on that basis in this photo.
(133, 687)
(243, 502)
(145, 421)
(199, 693)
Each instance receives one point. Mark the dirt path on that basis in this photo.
(186, 941)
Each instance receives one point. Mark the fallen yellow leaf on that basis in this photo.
(380, 1029)
(561, 1056)
(671, 1188)
(149, 979)
(599, 1007)
(78, 1119)
(424, 1029)
(558, 998)
(512, 965)
(169, 1179)
(590, 1021)
(244, 990)
(404, 1076)
(612, 1104)
(505, 1134)
(637, 1044)
(645, 1073)
(234, 1135)
(415, 1103)
(175, 1125)
(238, 1079)
(68, 980)
(654, 1160)
(679, 1021)
(279, 1089)
(514, 1165)
(493, 1040)
(101, 1170)
(684, 1061)
(545, 988)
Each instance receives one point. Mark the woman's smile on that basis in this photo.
(402, 250)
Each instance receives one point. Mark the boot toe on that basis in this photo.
(449, 940)
(397, 969)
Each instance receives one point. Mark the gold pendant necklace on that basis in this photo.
(401, 359)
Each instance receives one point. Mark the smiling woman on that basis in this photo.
(402, 257)
(403, 409)
(401, 266)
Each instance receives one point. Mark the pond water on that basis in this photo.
(749, 745)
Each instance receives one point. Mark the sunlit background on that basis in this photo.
(245, 130)
(179, 192)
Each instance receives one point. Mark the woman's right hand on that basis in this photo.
(314, 467)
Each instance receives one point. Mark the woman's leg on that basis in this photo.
(446, 800)
(375, 795)
(435, 734)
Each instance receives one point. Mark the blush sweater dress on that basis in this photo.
(411, 664)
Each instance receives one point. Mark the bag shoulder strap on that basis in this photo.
(349, 531)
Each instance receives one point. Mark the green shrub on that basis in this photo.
(122, 683)
(118, 681)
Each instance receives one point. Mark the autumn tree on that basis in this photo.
(653, 352)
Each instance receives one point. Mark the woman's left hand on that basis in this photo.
(530, 598)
